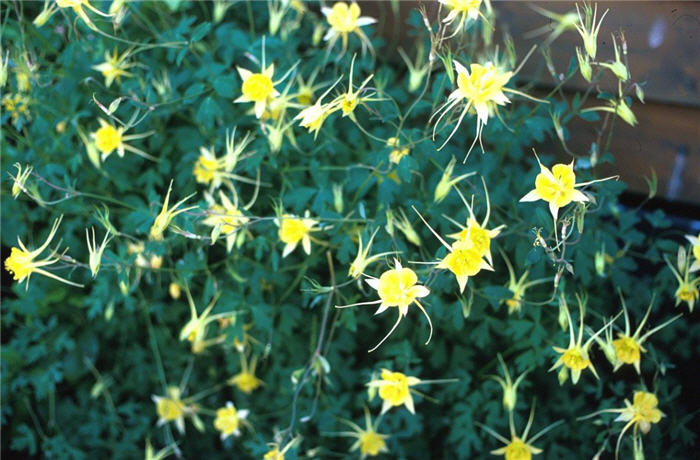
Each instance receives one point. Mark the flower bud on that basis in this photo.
(338, 198)
(584, 65)
(563, 317)
(174, 291)
(156, 262)
(624, 112)
(44, 16)
(599, 262)
(563, 375)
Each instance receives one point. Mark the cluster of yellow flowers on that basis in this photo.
(481, 90)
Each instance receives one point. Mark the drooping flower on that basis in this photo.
(369, 441)
(519, 447)
(343, 20)
(442, 189)
(20, 179)
(166, 215)
(575, 357)
(76, 5)
(351, 98)
(294, 229)
(95, 252)
(361, 262)
(245, 380)
(396, 287)
(229, 419)
(557, 187)
(21, 262)
(482, 88)
(114, 67)
(312, 117)
(195, 330)
(588, 28)
(510, 388)
(107, 139)
(394, 390)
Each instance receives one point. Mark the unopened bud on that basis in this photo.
(174, 291)
(584, 65)
(563, 375)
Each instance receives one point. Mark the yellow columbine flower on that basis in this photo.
(629, 347)
(350, 99)
(171, 408)
(206, 168)
(77, 6)
(114, 67)
(369, 441)
(227, 219)
(519, 447)
(108, 139)
(212, 170)
(695, 241)
(195, 330)
(361, 262)
(228, 420)
(483, 89)
(462, 9)
(687, 288)
(246, 381)
(293, 229)
(575, 356)
(17, 105)
(344, 20)
(258, 88)
(394, 390)
(639, 414)
(397, 288)
(21, 262)
(313, 116)
(166, 214)
(463, 259)
(557, 187)
(398, 152)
